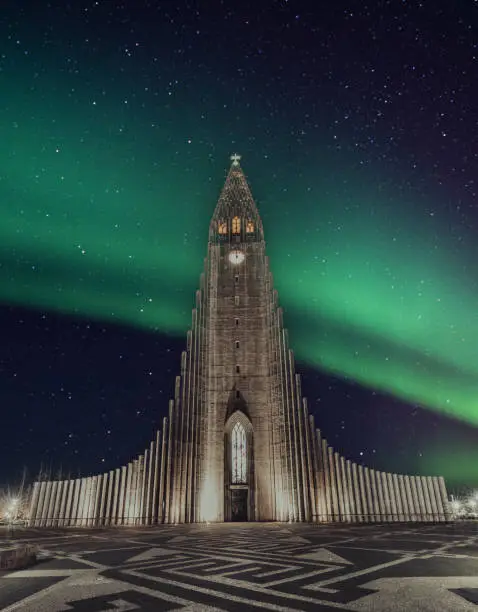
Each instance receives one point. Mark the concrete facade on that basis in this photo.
(238, 442)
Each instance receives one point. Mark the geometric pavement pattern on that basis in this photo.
(248, 566)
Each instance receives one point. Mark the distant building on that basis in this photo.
(239, 443)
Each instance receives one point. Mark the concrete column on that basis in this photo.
(387, 498)
(81, 503)
(41, 503)
(369, 491)
(433, 502)
(62, 508)
(411, 498)
(381, 496)
(161, 479)
(403, 499)
(69, 500)
(56, 507)
(310, 491)
(363, 495)
(438, 499)
(375, 499)
(51, 504)
(109, 498)
(333, 486)
(128, 495)
(149, 493)
(327, 484)
(103, 498)
(86, 507)
(147, 484)
(160, 506)
(391, 498)
(426, 497)
(132, 492)
(345, 489)
(115, 513)
(141, 494)
(444, 497)
(352, 492)
(122, 496)
(92, 516)
(34, 504)
(421, 500)
(340, 487)
(74, 502)
(319, 471)
(136, 493)
(416, 500)
(397, 498)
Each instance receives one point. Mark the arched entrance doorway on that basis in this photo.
(238, 468)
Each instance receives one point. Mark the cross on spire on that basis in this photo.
(235, 159)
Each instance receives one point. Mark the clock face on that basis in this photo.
(236, 257)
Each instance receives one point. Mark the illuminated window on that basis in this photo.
(249, 227)
(236, 225)
(222, 229)
(239, 454)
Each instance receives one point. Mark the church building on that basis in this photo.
(239, 443)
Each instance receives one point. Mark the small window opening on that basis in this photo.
(237, 321)
(236, 225)
(236, 278)
(237, 343)
(236, 298)
(238, 369)
(238, 395)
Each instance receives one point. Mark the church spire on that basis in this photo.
(236, 212)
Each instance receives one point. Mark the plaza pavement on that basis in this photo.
(248, 566)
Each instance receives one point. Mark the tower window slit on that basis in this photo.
(236, 299)
(238, 369)
(239, 454)
(236, 278)
(237, 343)
(237, 321)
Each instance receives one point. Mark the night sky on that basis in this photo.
(357, 123)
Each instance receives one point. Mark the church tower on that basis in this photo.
(244, 412)
(238, 443)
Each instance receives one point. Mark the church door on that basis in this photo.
(239, 505)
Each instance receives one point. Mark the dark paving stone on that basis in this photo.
(107, 602)
(363, 558)
(463, 550)
(113, 558)
(57, 564)
(13, 590)
(470, 595)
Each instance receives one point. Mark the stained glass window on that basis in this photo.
(239, 454)
(236, 225)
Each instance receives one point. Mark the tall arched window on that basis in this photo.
(236, 225)
(249, 227)
(239, 454)
(222, 227)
